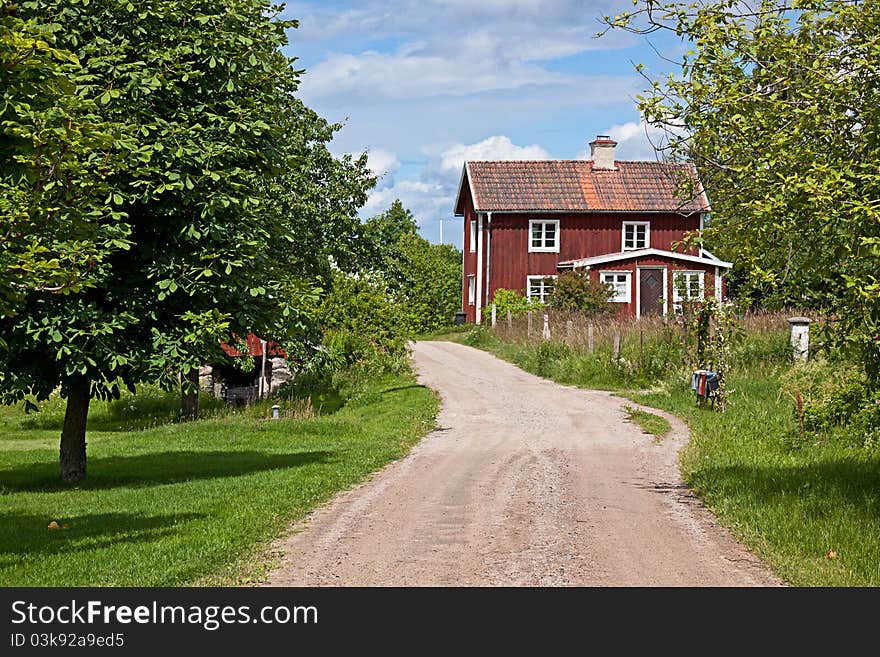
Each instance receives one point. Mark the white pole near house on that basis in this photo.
(546, 333)
(509, 320)
(529, 324)
(569, 330)
(590, 338)
(800, 337)
(263, 344)
(493, 316)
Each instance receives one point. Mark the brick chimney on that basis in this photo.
(602, 153)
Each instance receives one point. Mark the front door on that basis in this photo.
(650, 292)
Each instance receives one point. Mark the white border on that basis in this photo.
(629, 286)
(646, 224)
(544, 249)
(630, 255)
(529, 283)
(638, 299)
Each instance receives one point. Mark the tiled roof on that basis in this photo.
(560, 185)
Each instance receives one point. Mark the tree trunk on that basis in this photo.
(73, 433)
(189, 394)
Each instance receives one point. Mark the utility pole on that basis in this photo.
(441, 231)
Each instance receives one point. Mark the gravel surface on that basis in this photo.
(523, 483)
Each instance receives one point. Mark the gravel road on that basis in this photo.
(523, 483)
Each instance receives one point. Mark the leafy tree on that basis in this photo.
(384, 231)
(56, 151)
(574, 292)
(426, 280)
(208, 93)
(777, 103)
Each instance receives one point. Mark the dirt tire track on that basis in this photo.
(524, 482)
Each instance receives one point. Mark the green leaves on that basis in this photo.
(778, 108)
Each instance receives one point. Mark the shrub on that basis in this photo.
(361, 321)
(575, 292)
(511, 300)
(832, 396)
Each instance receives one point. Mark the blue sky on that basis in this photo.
(423, 85)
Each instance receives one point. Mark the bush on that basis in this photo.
(834, 397)
(511, 300)
(575, 292)
(361, 323)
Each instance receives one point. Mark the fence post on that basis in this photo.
(616, 344)
(590, 338)
(493, 316)
(529, 329)
(568, 331)
(800, 337)
(546, 333)
(509, 321)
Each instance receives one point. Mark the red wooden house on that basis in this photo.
(524, 222)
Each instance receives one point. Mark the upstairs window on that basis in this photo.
(686, 286)
(539, 288)
(636, 235)
(473, 240)
(619, 282)
(544, 236)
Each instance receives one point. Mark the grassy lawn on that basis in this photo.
(186, 503)
(649, 422)
(809, 507)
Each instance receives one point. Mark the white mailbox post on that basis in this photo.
(800, 337)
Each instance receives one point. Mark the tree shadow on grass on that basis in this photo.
(827, 485)
(26, 534)
(155, 469)
(401, 388)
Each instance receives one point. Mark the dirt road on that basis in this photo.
(524, 482)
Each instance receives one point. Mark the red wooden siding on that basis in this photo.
(653, 261)
(580, 236)
(470, 259)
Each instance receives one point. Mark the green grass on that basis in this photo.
(187, 503)
(791, 500)
(650, 423)
(809, 507)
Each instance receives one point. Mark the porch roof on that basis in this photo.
(704, 259)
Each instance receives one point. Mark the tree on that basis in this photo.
(424, 278)
(384, 230)
(209, 95)
(56, 219)
(777, 103)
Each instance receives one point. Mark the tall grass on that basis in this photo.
(581, 351)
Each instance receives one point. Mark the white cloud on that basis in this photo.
(382, 163)
(639, 141)
(414, 71)
(420, 197)
(498, 147)
(432, 197)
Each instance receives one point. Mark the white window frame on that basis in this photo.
(676, 297)
(544, 248)
(473, 241)
(646, 224)
(472, 289)
(617, 298)
(541, 297)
